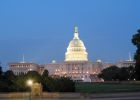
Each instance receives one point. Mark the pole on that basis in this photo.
(30, 96)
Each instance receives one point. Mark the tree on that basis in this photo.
(12, 83)
(123, 74)
(8, 81)
(115, 73)
(110, 73)
(45, 73)
(44, 78)
(136, 42)
(9, 75)
(21, 80)
(34, 75)
(131, 71)
(65, 84)
(0, 71)
(60, 84)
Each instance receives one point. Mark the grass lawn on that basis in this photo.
(107, 87)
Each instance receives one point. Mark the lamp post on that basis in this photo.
(30, 83)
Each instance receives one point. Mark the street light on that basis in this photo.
(30, 83)
(134, 79)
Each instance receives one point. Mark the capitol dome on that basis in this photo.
(76, 50)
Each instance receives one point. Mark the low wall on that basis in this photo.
(64, 96)
(111, 82)
(44, 95)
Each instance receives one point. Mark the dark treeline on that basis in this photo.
(11, 83)
(114, 73)
(136, 42)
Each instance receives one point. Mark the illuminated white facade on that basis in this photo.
(76, 50)
(76, 64)
(20, 68)
(125, 63)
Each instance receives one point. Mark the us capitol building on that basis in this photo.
(76, 64)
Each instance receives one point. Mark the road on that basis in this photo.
(105, 96)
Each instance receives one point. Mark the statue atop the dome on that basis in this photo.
(76, 33)
(76, 29)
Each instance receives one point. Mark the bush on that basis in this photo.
(12, 83)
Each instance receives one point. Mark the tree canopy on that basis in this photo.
(12, 83)
(114, 73)
(136, 42)
(45, 73)
(0, 71)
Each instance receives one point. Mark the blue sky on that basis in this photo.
(42, 29)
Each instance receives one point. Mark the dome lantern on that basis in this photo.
(76, 33)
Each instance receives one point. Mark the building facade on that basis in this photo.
(76, 50)
(125, 63)
(20, 68)
(76, 64)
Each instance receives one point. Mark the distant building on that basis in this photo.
(106, 65)
(24, 67)
(126, 63)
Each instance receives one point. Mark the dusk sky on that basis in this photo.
(42, 29)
